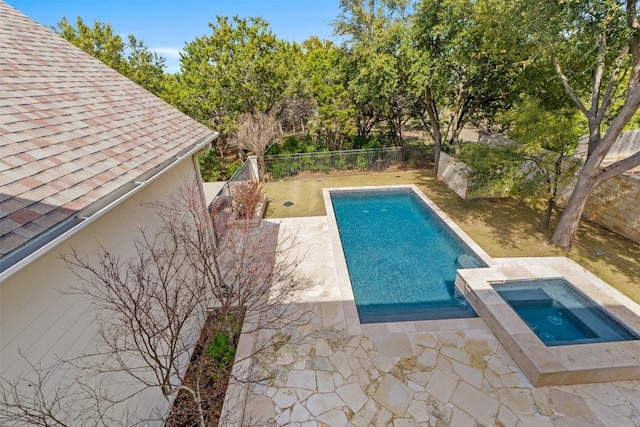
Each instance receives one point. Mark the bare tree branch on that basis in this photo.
(150, 306)
(256, 132)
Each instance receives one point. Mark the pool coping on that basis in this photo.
(556, 365)
(344, 282)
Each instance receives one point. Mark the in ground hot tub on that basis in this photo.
(561, 315)
(560, 323)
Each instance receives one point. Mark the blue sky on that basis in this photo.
(165, 25)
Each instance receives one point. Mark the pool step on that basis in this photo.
(468, 261)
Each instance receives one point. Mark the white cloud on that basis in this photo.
(169, 52)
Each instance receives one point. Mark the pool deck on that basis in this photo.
(331, 371)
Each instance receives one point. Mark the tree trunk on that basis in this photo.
(591, 175)
(594, 134)
(547, 215)
(566, 229)
(262, 168)
(455, 141)
(457, 117)
(435, 127)
(553, 190)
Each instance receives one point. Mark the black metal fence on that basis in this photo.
(373, 159)
(244, 173)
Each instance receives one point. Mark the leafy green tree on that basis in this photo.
(297, 107)
(238, 68)
(145, 67)
(131, 58)
(372, 31)
(547, 138)
(594, 46)
(324, 70)
(462, 67)
(535, 162)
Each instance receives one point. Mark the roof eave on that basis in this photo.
(21, 257)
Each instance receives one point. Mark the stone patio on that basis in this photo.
(332, 371)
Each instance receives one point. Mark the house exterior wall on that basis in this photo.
(40, 319)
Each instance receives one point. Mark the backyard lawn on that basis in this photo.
(504, 227)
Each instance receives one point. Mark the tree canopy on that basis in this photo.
(130, 57)
(434, 65)
(239, 68)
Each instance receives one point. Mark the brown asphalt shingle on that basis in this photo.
(72, 130)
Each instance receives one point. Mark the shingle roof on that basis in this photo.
(72, 130)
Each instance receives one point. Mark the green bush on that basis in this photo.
(274, 149)
(221, 351)
(373, 143)
(308, 163)
(362, 163)
(233, 167)
(211, 166)
(277, 170)
(292, 144)
(322, 162)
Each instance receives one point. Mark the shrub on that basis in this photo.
(247, 195)
(274, 149)
(233, 167)
(277, 170)
(221, 351)
(211, 166)
(340, 162)
(308, 163)
(373, 143)
(362, 163)
(292, 144)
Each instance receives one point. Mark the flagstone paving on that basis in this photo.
(327, 372)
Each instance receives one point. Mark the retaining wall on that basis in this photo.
(451, 173)
(614, 205)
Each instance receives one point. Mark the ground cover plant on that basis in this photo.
(503, 227)
(211, 362)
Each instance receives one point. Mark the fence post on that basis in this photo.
(253, 163)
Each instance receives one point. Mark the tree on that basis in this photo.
(146, 68)
(150, 305)
(131, 59)
(372, 31)
(323, 70)
(547, 138)
(463, 64)
(595, 49)
(239, 68)
(534, 163)
(256, 132)
(296, 107)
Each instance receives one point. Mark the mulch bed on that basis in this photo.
(214, 381)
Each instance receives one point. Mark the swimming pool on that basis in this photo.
(560, 315)
(401, 256)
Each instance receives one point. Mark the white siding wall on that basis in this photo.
(40, 320)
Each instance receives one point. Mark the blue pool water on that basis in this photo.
(559, 314)
(402, 259)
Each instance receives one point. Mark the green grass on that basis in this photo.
(503, 228)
